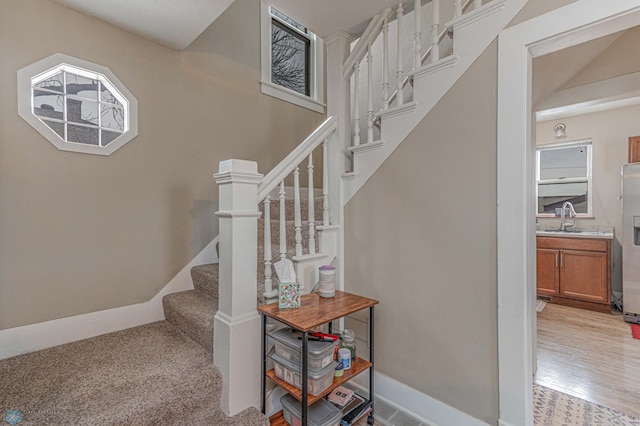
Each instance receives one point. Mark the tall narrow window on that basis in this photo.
(76, 105)
(292, 62)
(290, 59)
(563, 173)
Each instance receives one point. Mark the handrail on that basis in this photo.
(425, 56)
(368, 36)
(295, 157)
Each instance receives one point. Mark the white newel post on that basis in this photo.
(236, 326)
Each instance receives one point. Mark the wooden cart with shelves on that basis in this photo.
(315, 311)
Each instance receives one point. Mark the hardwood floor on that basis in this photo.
(589, 355)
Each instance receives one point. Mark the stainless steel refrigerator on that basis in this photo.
(631, 242)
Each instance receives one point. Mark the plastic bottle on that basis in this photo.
(344, 357)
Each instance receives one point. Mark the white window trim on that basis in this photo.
(90, 70)
(589, 178)
(315, 101)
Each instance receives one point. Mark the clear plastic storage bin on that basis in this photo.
(322, 413)
(318, 382)
(289, 347)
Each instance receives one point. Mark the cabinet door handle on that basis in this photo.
(561, 260)
(556, 260)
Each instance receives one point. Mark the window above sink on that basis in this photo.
(563, 173)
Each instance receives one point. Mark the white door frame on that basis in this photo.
(570, 25)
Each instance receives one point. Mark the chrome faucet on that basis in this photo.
(572, 213)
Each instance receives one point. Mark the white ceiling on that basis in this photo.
(174, 23)
(177, 23)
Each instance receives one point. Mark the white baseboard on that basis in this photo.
(35, 337)
(423, 407)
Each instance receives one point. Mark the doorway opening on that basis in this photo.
(571, 25)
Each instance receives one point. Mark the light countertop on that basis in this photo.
(604, 232)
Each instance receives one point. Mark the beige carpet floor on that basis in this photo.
(155, 375)
(148, 375)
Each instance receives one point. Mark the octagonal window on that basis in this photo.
(76, 105)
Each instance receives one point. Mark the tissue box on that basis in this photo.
(289, 295)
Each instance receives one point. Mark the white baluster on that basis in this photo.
(356, 106)
(268, 286)
(298, 215)
(369, 95)
(400, 71)
(385, 64)
(311, 212)
(477, 4)
(458, 6)
(325, 183)
(283, 223)
(417, 36)
(435, 31)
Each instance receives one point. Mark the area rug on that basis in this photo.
(540, 304)
(553, 408)
(635, 330)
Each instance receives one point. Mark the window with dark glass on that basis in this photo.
(290, 54)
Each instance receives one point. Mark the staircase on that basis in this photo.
(193, 311)
(351, 146)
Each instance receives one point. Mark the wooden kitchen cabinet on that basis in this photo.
(547, 267)
(634, 149)
(575, 272)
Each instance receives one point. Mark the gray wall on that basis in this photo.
(620, 58)
(420, 236)
(535, 8)
(81, 233)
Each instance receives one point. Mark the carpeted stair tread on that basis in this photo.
(147, 375)
(192, 313)
(291, 234)
(205, 278)
(290, 208)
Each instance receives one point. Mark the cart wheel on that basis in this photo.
(370, 419)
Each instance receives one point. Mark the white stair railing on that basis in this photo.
(268, 283)
(417, 35)
(242, 188)
(435, 30)
(362, 53)
(311, 207)
(399, 61)
(290, 166)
